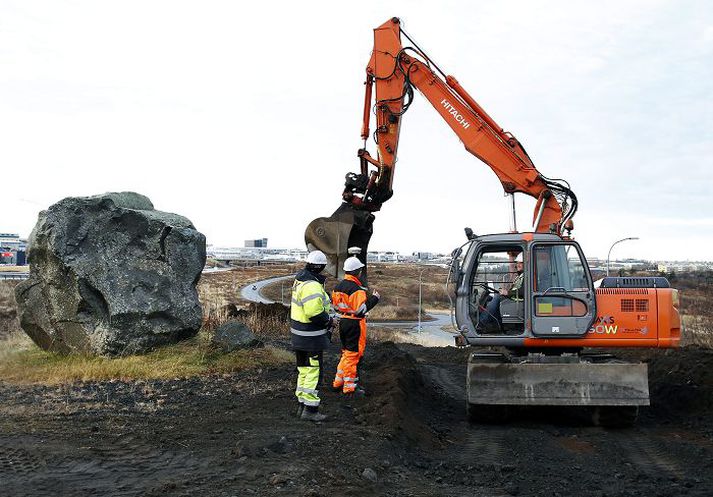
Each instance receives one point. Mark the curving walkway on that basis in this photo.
(431, 333)
(252, 292)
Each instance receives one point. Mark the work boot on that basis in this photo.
(314, 416)
(357, 393)
(300, 408)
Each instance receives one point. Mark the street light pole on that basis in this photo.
(612, 246)
(420, 275)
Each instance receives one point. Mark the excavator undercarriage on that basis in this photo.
(498, 383)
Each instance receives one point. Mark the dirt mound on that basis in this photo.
(401, 404)
(236, 434)
(681, 383)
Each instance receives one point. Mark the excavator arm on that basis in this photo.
(391, 75)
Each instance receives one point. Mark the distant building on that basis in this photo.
(12, 249)
(260, 242)
(424, 256)
(234, 254)
(9, 240)
(387, 256)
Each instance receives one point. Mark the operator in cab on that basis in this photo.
(490, 315)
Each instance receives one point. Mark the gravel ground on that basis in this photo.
(235, 434)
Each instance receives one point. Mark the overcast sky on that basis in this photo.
(245, 116)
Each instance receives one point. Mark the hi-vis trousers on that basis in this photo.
(309, 377)
(353, 336)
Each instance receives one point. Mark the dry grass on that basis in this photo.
(219, 294)
(8, 308)
(15, 269)
(267, 321)
(280, 291)
(220, 289)
(696, 291)
(697, 330)
(379, 334)
(390, 312)
(398, 286)
(21, 361)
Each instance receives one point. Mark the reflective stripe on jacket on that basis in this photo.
(309, 312)
(350, 300)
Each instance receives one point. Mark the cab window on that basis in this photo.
(497, 268)
(558, 267)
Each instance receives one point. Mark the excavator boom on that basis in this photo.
(394, 70)
(556, 311)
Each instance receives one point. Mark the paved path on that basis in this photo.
(252, 291)
(431, 334)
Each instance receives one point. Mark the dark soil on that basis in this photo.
(235, 435)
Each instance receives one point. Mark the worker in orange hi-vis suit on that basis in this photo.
(351, 302)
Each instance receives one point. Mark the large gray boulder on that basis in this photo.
(111, 275)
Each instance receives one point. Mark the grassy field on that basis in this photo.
(219, 289)
(696, 290)
(14, 269)
(8, 308)
(219, 293)
(22, 361)
(398, 285)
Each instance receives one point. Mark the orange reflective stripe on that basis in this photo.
(349, 304)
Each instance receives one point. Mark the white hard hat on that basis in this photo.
(317, 257)
(518, 257)
(352, 264)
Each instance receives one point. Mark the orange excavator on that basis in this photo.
(530, 293)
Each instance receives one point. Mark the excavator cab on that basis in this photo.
(514, 289)
(542, 314)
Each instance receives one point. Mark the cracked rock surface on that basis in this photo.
(110, 275)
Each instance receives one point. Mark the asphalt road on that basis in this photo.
(252, 291)
(430, 334)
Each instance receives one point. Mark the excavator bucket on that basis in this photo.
(335, 234)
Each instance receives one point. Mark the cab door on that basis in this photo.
(563, 297)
